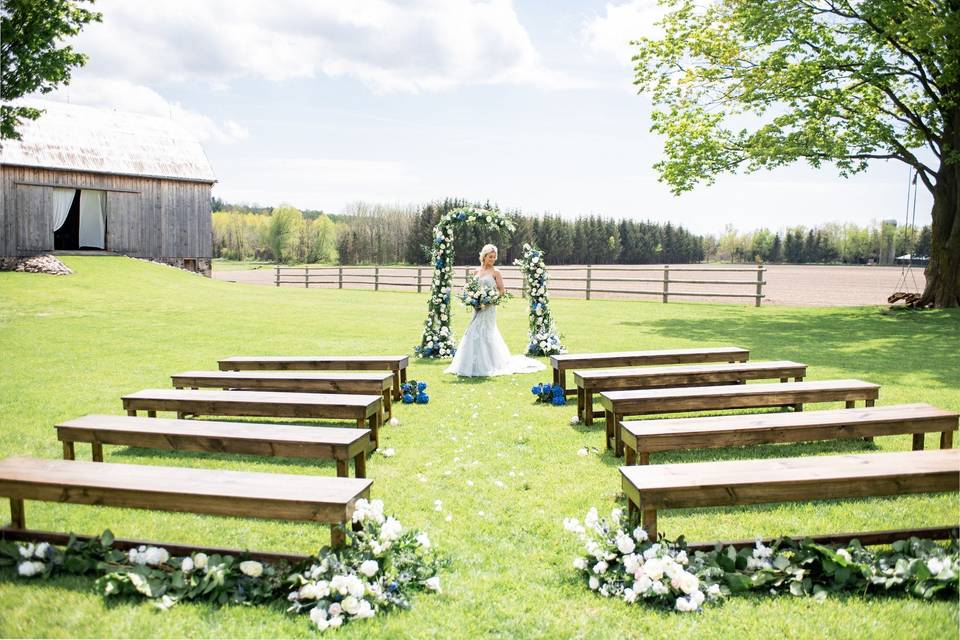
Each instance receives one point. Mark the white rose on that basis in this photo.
(369, 568)
(682, 557)
(424, 540)
(580, 563)
(319, 617)
(26, 551)
(187, 565)
(653, 568)
(200, 561)
(335, 622)
(42, 549)
(309, 592)
(364, 611)
(935, 566)
(433, 584)
(639, 534)
(685, 604)
(625, 544)
(698, 597)
(594, 583)
(350, 605)
(629, 595)
(251, 568)
(688, 582)
(600, 567)
(631, 563)
(355, 587)
(391, 529)
(28, 568)
(643, 584)
(335, 609)
(713, 590)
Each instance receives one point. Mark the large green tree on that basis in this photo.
(756, 84)
(33, 53)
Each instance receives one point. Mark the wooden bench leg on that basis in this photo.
(556, 376)
(68, 451)
(870, 403)
(97, 450)
(617, 443)
(946, 440)
(609, 436)
(633, 514)
(396, 385)
(918, 442)
(151, 414)
(649, 523)
(644, 457)
(588, 407)
(798, 379)
(360, 465)
(403, 375)
(337, 536)
(342, 471)
(580, 405)
(562, 381)
(132, 412)
(374, 423)
(388, 404)
(798, 406)
(18, 518)
(629, 456)
(784, 379)
(181, 415)
(850, 404)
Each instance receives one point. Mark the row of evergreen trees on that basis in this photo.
(406, 235)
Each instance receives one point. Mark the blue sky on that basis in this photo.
(527, 104)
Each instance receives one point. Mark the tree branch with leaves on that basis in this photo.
(744, 85)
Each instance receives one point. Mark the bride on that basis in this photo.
(482, 351)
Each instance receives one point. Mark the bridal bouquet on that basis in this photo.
(480, 296)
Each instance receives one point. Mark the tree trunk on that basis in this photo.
(943, 271)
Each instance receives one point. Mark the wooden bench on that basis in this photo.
(740, 482)
(292, 441)
(568, 361)
(364, 409)
(617, 404)
(293, 381)
(395, 364)
(272, 496)
(642, 437)
(591, 381)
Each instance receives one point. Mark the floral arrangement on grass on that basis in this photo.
(543, 337)
(414, 392)
(620, 561)
(437, 339)
(478, 296)
(378, 570)
(550, 393)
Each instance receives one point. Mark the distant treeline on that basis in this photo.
(380, 234)
(383, 234)
(831, 243)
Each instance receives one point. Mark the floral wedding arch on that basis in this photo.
(437, 339)
(543, 336)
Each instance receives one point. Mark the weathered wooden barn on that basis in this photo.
(85, 179)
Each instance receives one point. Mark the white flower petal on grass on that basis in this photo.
(469, 483)
(499, 483)
(438, 505)
(583, 452)
(481, 513)
(388, 453)
(575, 420)
(449, 518)
(433, 584)
(394, 422)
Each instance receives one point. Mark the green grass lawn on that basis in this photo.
(72, 345)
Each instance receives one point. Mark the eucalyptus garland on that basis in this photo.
(437, 340)
(543, 337)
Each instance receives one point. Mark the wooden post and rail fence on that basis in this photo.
(617, 281)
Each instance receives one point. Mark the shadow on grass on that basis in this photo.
(201, 456)
(754, 452)
(865, 341)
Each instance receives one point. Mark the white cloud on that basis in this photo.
(392, 46)
(127, 96)
(611, 33)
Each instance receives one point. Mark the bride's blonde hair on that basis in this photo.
(487, 248)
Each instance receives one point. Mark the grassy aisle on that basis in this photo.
(505, 469)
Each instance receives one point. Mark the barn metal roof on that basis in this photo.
(79, 138)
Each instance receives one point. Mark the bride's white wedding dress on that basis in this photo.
(482, 351)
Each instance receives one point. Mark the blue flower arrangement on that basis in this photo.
(552, 393)
(414, 392)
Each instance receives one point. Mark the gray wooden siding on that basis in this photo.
(146, 217)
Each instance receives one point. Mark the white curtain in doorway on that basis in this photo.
(62, 201)
(92, 223)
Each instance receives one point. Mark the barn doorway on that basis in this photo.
(80, 220)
